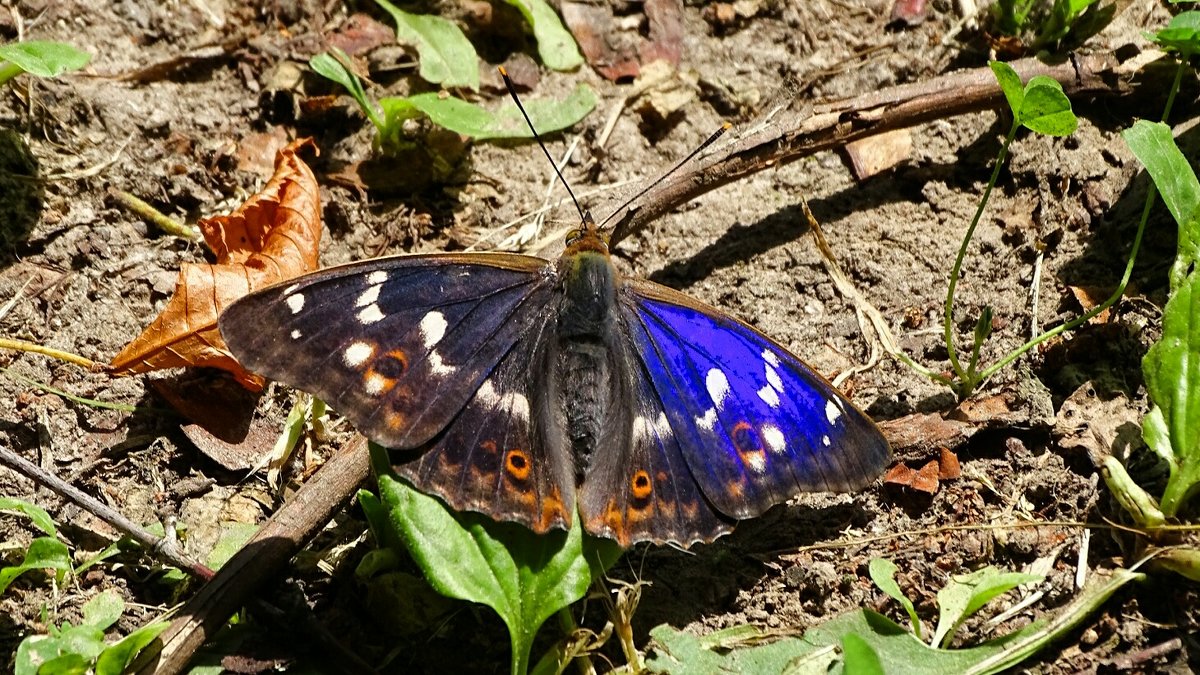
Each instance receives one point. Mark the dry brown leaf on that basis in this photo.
(274, 236)
(924, 479)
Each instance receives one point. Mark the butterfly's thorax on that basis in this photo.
(585, 334)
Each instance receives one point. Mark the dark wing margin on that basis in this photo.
(398, 345)
(754, 423)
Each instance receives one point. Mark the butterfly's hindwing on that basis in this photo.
(503, 454)
(754, 423)
(639, 486)
(398, 345)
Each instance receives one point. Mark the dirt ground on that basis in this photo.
(85, 275)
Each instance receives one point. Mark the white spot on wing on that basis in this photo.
(295, 301)
(368, 297)
(662, 425)
(291, 289)
(375, 384)
(377, 277)
(770, 357)
(518, 405)
(486, 394)
(296, 334)
(369, 315)
(437, 366)
(433, 328)
(825, 441)
(642, 431)
(718, 385)
(774, 439)
(773, 378)
(832, 411)
(757, 461)
(769, 396)
(709, 420)
(357, 354)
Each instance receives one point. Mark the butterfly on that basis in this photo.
(539, 391)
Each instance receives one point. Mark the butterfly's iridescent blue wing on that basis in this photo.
(754, 423)
(398, 345)
(501, 455)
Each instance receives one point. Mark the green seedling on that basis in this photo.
(862, 641)
(40, 59)
(1040, 106)
(82, 649)
(525, 577)
(1043, 24)
(43, 553)
(452, 113)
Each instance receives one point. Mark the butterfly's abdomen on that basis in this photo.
(585, 336)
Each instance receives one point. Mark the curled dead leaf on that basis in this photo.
(275, 235)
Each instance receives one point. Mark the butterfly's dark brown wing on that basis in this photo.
(505, 454)
(639, 487)
(398, 345)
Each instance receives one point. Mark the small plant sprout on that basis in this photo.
(40, 59)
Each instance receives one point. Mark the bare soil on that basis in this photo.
(85, 275)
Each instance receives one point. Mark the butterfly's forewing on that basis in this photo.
(398, 345)
(755, 424)
(639, 487)
(502, 455)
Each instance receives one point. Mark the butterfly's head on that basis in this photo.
(586, 237)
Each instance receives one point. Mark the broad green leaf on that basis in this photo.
(1010, 84)
(1045, 109)
(43, 553)
(1171, 368)
(524, 576)
(676, 652)
(1182, 34)
(479, 123)
(883, 573)
(44, 59)
(103, 610)
(115, 658)
(1175, 180)
(36, 514)
(556, 46)
(73, 647)
(446, 56)
(233, 537)
(965, 594)
(330, 66)
(859, 657)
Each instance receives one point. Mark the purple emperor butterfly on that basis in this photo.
(539, 391)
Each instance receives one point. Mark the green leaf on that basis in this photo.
(1171, 368)
(1132, 497)
(329, 65)
(734, 650)
(108, 552)
(1045, 109)
(883, 573)
(524, 576)
(556, 46)
(116, 658)
(73, 648)
(103, 610)
(44, 59)
(479, 123)
(446, 56)
(233, 537)
(41, 520)
(1175, 180)
(43, 553)
(965, 594)
(1010, 84)
(859, 657)
(1181, 35)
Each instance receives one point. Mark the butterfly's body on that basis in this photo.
(534, 391)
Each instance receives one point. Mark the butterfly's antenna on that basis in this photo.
(691, 155)
(512, 91)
